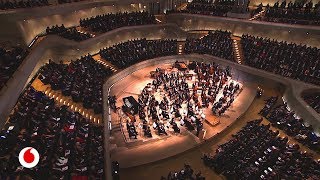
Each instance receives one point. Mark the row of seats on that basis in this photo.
(69, 146)
(68, 33)
(313, 100)
(294, 13)
(10, 60)
(101, 24)
(217, 43)
(269, 104)
(108, 22)
(256, 152)
(81, 79)
(16, 4)
(286, 59)
(125, 54)
(219, 8)
(4, 5)
(185, 173)
(294, 126)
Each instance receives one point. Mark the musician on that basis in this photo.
(175, 127)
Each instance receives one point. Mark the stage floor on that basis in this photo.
(134, 152)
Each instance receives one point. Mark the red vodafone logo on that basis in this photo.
(29, 157)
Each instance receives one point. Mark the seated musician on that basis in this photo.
(175, 127)
(147, 131)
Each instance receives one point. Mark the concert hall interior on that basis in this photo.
(159, 89)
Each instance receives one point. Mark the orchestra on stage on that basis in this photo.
(176, 97)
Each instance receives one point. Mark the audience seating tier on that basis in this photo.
(298, 62)
(256, 152)
(108, 22)
(68, 33)
(313, 100)
(286, 120)
(69, 146)
(216, 43)
(218, 8)
(125, 54)
(293, 13)
(81, 79)
(10, 60)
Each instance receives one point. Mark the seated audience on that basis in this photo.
(69, 146)
(313, 100)
(286, 120)
(286, 59)
(16, 4)
(10, 60)
(294, 13)
(256, 152)
(125, 54)
(269, 103)
(81, 79)
(216, 43)
(8, 4)
(186, 173)
(68, 33)
(108, 22)
(218, 8)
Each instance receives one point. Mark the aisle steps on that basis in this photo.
(237, 49)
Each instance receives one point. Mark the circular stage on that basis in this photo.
(153, 85)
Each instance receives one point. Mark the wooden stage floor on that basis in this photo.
(130, 153)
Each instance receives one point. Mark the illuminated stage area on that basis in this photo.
(175, 125)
